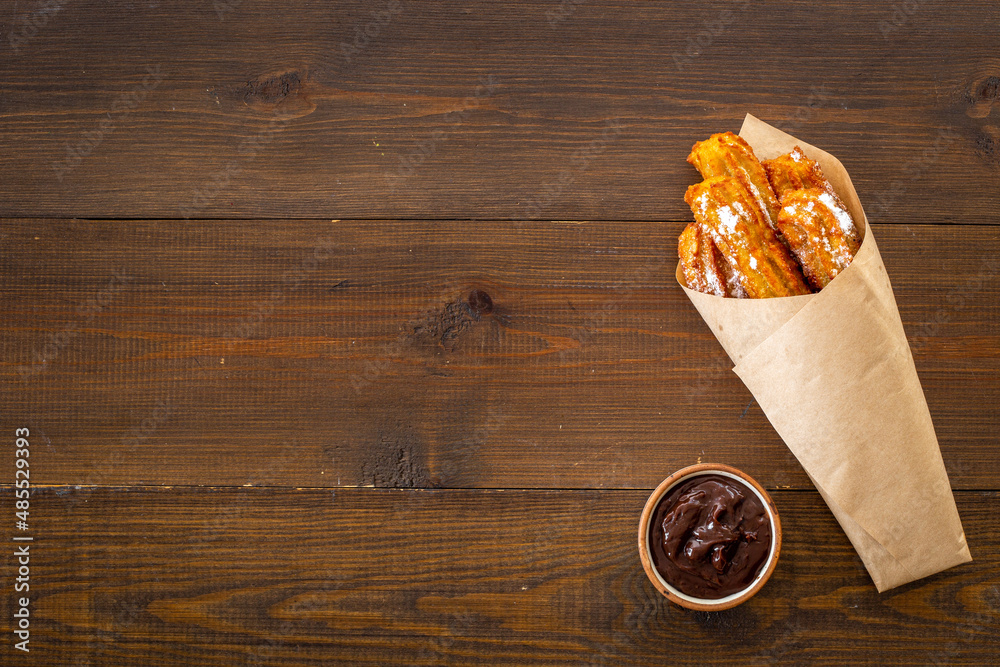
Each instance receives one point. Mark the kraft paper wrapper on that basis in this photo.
(834, 374)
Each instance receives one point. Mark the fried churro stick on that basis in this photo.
(734, 287)
(727, 154)
(820, 232)
(703, 265)
(762, 263)
(794, 171)
(697, 254)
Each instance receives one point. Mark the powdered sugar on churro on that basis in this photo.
(843, 217)
(760, 202)
(727, 219)
(713, 280)
(702, 202)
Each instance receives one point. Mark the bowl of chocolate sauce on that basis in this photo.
(709, 537)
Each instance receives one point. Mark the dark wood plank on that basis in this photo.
(535, 108)
(306, 577)
(341, 354)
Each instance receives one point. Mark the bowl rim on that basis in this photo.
(645, 519)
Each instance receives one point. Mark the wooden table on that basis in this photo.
(348, 332)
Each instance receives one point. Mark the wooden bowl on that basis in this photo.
(671, 593)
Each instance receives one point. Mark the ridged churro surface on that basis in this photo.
(820, 233)
(728, 154)
(795, 171)
(704, 267)
(697, 255)
(761, 263)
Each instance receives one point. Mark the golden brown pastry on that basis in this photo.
(820, 233)
(703, 265)
(794, 171)
(697, 255)
(739, 227)
(727, 154)
(734, 287)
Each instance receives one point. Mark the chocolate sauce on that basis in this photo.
(710, 536)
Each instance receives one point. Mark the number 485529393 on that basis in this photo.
(22, 477)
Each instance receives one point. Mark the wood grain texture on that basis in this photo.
(347, 353)
(523, 109)
(198, 393)
(215, 576)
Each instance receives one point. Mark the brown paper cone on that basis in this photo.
(834, 375)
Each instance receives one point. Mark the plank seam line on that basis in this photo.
(437, 219)
(117, 487)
